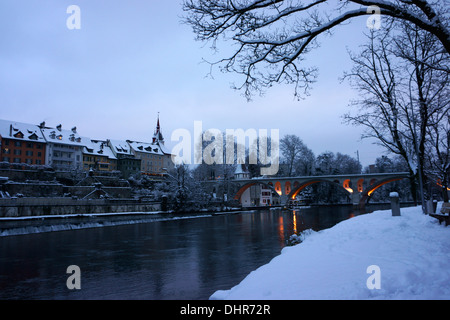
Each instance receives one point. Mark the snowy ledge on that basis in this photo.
(412, 252)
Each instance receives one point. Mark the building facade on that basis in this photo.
(127, 163)
(98, 156)
(21, 143)
(155, 159)
(64, 148)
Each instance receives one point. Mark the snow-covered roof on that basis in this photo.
(120, 147)
(61, 136)
(20, 131)
(146, 147)
(98, 148)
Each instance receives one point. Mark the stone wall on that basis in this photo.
(83, 191)
(26, 207)
(34, 189)
(23, 175)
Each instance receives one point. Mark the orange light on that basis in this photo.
(295, 222)
(346, 186)
(440, 185)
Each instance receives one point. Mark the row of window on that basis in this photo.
(19, 160)
(104, 166)
(149, 156)
(94, 159)
(18, 152)
(29, 145)
(65, 146)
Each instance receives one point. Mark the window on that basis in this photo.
(19, 135)
(29, 153)
(38, 161)
(6, 151)
(17, 152)
(18, 143)
(16, 160)
(6, 159)
(29, 145)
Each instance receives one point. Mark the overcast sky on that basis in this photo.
(133, 59)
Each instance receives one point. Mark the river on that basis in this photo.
(162, 259)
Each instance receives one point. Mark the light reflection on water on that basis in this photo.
(175, 259)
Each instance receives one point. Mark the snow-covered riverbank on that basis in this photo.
(408, 257)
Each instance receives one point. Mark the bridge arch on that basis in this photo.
(374, 185)
(301, 186)
(248, 185)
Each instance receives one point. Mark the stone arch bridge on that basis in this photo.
(359, 186)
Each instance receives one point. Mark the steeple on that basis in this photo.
(157, 136)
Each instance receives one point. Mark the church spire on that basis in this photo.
(158, 137)
(157, 124)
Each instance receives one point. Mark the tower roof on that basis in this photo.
(157, 136)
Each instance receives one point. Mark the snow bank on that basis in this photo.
(412, 252)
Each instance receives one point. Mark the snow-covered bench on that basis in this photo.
(444, 215)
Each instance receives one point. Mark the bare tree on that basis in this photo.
(402, 78)
(273, 36)
(296, 155)
(437, 162)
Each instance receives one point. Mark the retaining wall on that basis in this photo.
(26, 207)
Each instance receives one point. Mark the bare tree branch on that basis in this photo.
(273, 36)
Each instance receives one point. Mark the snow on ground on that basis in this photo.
(412, 252)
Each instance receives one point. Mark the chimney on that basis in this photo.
(59, 127)
(74, 129)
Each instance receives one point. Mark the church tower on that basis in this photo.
(157, 136)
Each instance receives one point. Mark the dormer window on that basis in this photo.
(33, 137)
(19, 135)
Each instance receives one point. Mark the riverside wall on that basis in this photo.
(28, 207)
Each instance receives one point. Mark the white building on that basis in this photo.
(64, 147)
(256, 195)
